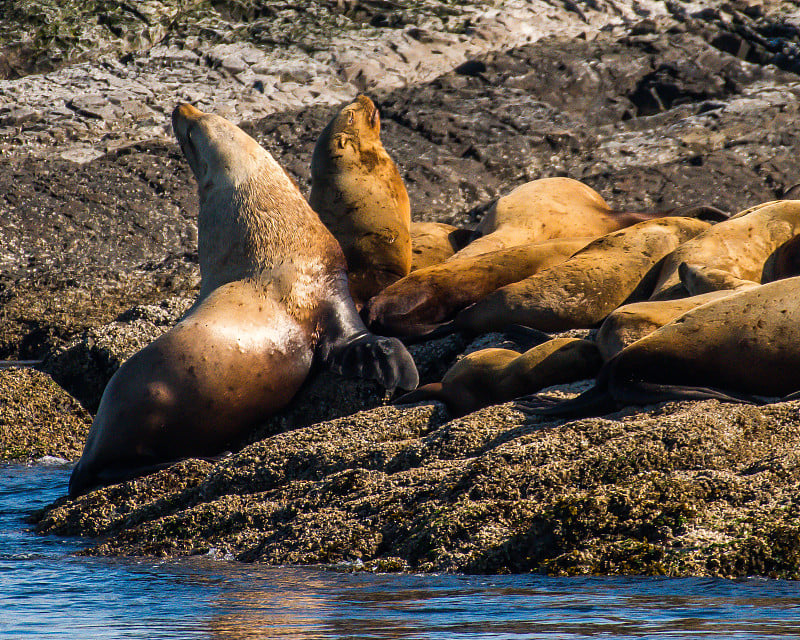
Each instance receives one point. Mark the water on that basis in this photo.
(46, 593)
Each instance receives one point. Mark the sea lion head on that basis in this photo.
(220, 154)
(355, 129)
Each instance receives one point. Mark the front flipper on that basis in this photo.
(347, 348)
(374, 357)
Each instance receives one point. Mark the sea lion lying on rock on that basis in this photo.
(583, 290)
(273, 299)
(740, 246)
(358, 193)
(559, 208)
(417, 304)
(631, 322)
(744, 345)
(494, 376)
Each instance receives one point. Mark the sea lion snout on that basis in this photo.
(182, 116)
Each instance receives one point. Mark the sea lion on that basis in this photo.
(273, 299)
(417, 304)
(736, 348)
(588, 286)
(494, 376)
(632, 322)
(558, 208)
(358, 193)
(434, 242)
(740, 245)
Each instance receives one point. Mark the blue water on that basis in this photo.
(47, 593)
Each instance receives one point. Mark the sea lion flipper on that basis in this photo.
(596, 401)
(366, 355)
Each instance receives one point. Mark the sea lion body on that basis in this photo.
(747, 342)
(359, 195)
(424, 299)
(587, 287)
(273, 300)
(494, 376)
(434, 242)
(551, 208)
(634, 321)
(740, 246)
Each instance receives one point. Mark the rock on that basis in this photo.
(38, 418)
(683, 489)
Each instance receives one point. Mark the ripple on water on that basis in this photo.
(47, 593)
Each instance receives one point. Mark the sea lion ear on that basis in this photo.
(375, 120)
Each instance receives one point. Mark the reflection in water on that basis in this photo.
(46, 593)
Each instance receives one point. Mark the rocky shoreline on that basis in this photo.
(653, 104)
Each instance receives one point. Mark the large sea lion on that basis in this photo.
(631, 322)
(417, 304)
(273, 298)
(558, 208)
(587, 287)
(434, 242)
(358, 193)
(494, 376)
(740, 246)
(744, 345)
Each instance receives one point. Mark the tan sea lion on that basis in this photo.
(631, 322)
(273, 298)
(358, 193)
(434, 242)
(417, 304)
(494, 376)
(558, 208)
(740, 246)
(583, 290)
(746, 344)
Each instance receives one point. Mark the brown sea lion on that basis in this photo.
(583, 290)
(434, 242)
(558, 208)
(358, 193)
(273, 298)
(423, 300)
(632, 322)
(494, 376)
(740, 246)
(744, 345)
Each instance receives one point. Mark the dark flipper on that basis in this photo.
(596, 401)
(432, 391)
(348, 349)
(701, 212)
(641, 392)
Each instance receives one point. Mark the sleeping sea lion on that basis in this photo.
(631, 322)
(358, 193)
(273, 299)
(494, 376)
(740, 246)
(734, 349)
(587, 287)
(417, 304)
(558, 208)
